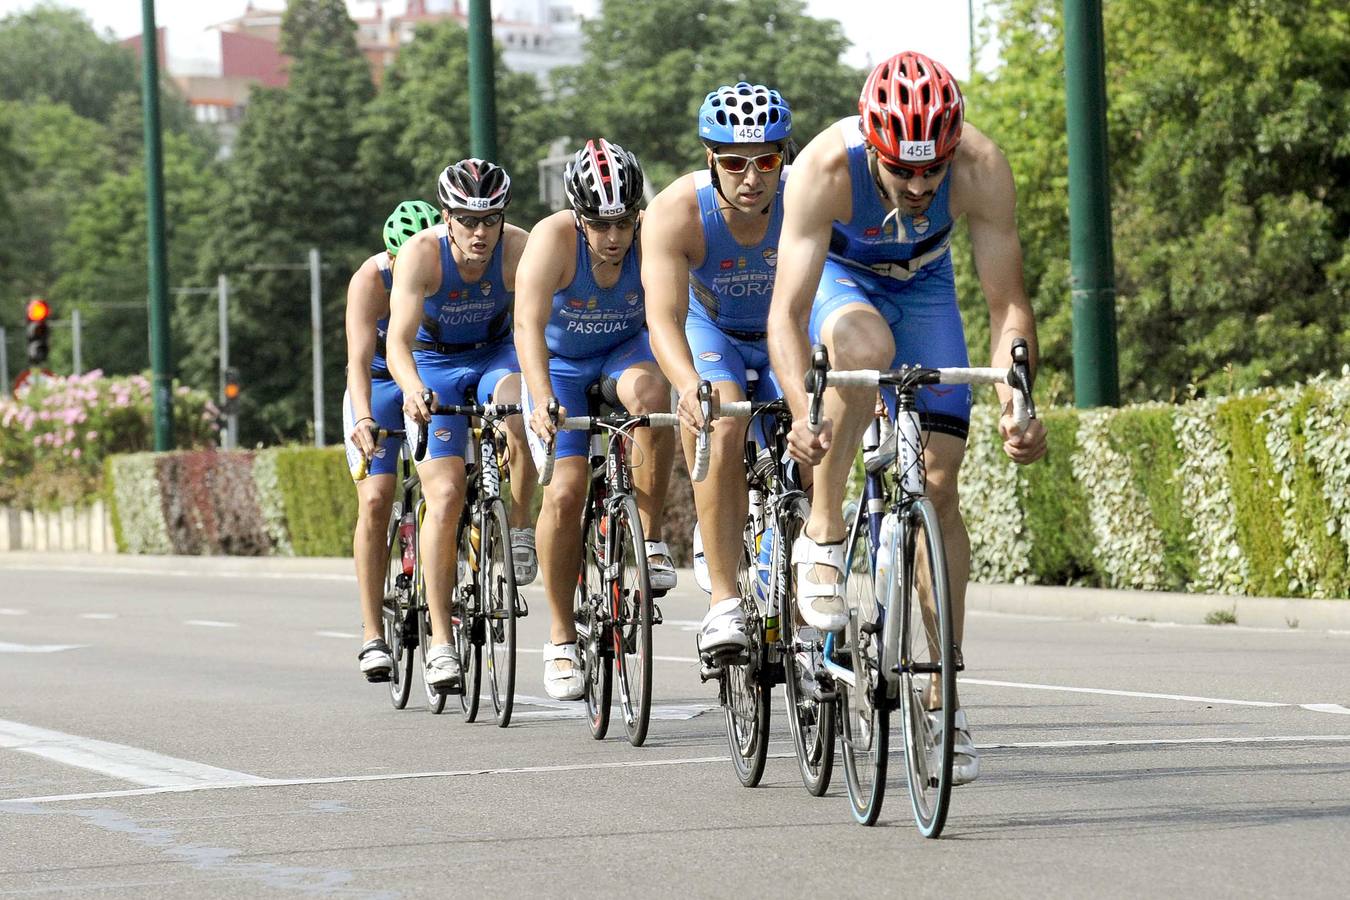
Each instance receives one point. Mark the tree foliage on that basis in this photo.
(1230, 167)
(54, 53)
(649, 65)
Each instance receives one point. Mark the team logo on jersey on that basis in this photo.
(442, 434)
(631, 298)
(485, 287)
(379, 452)
(846, 282)
(740, 262)
(920, 224)
(577, 303)
(592, 303)
(726, 264)
(872, 232)
(771, 257)
(454, 295)
(710, 356)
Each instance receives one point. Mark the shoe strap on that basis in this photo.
(566, 651)
(807, 553)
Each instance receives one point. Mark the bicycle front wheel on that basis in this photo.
(746, 690)
(466, 622)
(421, 609)
(927, 668)
(498, 585)
(630, 599)
(810, 702)
(395, 614)
(592, 618)
(863, 709)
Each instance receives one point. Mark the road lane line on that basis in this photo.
(1334, 708)
(642, 764)
(132, 764)
(98, 615)
(210, 623)
(182, 573)
(37, 648)
(1116, 693)
(345, 635)
(7, 611)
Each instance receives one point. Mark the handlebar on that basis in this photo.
(378, 434)
(704, 445)
(617, 421)
(489, 411)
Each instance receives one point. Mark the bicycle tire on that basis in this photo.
(745, 694)
(864, 715)
(630, 599)
(498, 597)
(810, 720)
(393, 611)
(927, 646)
(587, 605)
(421, 608)
(466, 620)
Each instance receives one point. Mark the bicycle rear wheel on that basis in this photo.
(927, 668)
(590, 612)
(811, 716)
(863, 709)
(466, 622)
(631, 607)
(393, 613)
(420, 608)
(498, 581)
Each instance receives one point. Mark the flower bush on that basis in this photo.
(54, 438)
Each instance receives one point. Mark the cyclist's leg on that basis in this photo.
(845, 319)
(501, 384)
(375, 499)
(443, 487)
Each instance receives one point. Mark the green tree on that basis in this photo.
(649, 65)
(54, 53)
(1229, 130)
(294, 182)
(419, 123)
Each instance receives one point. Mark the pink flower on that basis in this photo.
(75, 453)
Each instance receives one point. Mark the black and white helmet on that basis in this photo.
(603, 181)
(474, 184)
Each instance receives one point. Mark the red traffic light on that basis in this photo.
(38, 310)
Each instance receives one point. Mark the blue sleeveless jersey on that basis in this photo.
(901, 247)
(588, 319)
(463, 313)
(377, 362)
(733, 287)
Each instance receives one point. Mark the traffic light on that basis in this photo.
(38, 312)
(232, 390)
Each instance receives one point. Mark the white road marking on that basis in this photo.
(184, 573)
(6, 611)
(37, 648)
(1026, 617)
(98, 615)
(345, 635)
(1334, 708)
(636, 764)
(576, 709)
(1115, 693)
(208, 623)
(117, 760)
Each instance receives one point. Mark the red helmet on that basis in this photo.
(912, 110)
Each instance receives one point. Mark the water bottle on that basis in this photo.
(763, 565)
(885, 557)
(406, 526)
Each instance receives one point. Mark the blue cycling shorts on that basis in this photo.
(386, 407)
(925, 323)
(720, 357)
(454, 378)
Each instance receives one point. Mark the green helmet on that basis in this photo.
(410, 217)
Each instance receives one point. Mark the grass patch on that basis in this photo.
(1222, 617)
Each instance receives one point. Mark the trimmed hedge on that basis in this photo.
(1247, 494)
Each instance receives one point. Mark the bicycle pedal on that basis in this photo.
(709, 671)
(378, 677)
(869, 627)
(657, 618)
(522, 608)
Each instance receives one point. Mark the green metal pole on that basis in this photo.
(161, 378)
(1095, 371)
(482, 92)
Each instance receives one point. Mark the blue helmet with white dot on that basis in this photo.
(744, 114)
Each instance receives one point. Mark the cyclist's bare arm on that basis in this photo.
(514, 239)
(547, 265)
(417, 274)
(985, 192)
(367, 303)
(672, 243)
(817, 194)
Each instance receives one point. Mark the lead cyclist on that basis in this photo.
(865, 268)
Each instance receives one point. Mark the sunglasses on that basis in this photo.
(907, 172)
(735, 164)
(604, 225)
(472, 222)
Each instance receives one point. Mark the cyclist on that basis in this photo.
(710, 243)
(580, 320)
(373, 399)
(450, 331)
(866, 270)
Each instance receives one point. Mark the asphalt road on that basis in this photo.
(181, 735)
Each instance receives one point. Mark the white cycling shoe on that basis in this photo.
(660, 568)
(723, 629)
(376, 659)
(965, 758)
(563, 683)
(524, 558)
(443, 672)
(821, 603)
